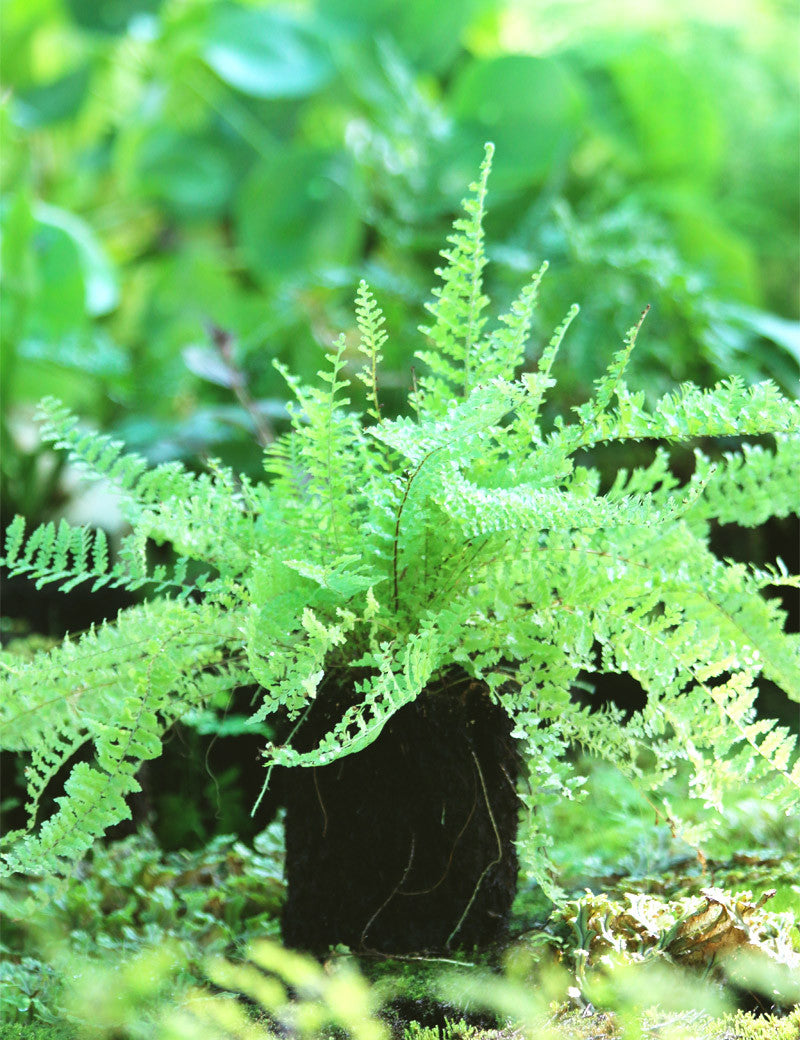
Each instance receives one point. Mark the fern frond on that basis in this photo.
(329, 453)
(370, 320)
(457, 307)
(465, 427)
(100, 457)
(503, 350)
(403, 672)
(480, 511)
(92, 802)
(116, 688)
(539, 382)
(752, 485)
(71, 555)
(731, 408)
(607, 385)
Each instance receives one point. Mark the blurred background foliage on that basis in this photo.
(174, 168)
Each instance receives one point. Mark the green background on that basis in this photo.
(172, 166)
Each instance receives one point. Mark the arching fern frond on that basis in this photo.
(101, 457)
(67, 556)
(402, 673)
(457, 307)
(752, 485)
(470, 532)
(115, 689)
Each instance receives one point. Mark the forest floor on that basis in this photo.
(652, 942)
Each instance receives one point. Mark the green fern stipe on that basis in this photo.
(467, 533)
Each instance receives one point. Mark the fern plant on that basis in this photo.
(385, 554)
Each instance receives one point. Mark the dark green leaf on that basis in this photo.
(52, 102)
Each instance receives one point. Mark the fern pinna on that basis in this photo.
(468, 533)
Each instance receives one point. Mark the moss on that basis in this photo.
(32, 1031)
(743, 1026)
(453, 1029)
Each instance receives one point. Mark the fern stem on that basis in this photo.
(396, 540)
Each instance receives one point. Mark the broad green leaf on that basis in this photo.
(676, 121)
(530, 107)
(52, 102)
(265, 53)
(99, 277)
(188, 173)
(109, 16)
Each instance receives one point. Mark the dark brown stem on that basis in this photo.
(223, 341)
(395, 548)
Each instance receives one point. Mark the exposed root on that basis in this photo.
(391, 895)
(321, 803)
(425, 891)
(489, 866)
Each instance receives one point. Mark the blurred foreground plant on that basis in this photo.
(275, 992)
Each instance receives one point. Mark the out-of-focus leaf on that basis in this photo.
(293, 215)
(163, 440)
(98, 275)
(96, 355)
(265, 52)
(59, 302)
(110, 16)
(188, 173)
(713, 247)
(208, 365)
(360, 15)
(752, 970)
(431, 34)
(52, 102)
(777, 330)
(676, 123)
(428, 35)
(530, 107)
(16, 264)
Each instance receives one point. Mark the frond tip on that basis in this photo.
(458, 304)
(371, 321)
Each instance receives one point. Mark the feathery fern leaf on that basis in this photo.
(457, 307)
(465, 533)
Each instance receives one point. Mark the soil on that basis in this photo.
(407, 846)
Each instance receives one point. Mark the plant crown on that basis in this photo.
(464, 533)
